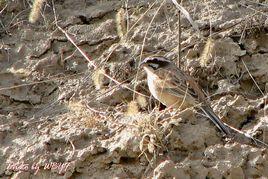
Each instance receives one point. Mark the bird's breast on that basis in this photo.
(152, 86)
(157, 89)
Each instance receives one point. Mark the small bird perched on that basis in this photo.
(175, 89)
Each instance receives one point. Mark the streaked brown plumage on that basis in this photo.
(175, 89)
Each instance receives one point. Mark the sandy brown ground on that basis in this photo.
(62, 118)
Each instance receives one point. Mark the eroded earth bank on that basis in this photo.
(60, 117)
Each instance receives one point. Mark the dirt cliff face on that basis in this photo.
(61, 117)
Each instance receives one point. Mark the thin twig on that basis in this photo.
(252, 78)
(187, 15)
(91, 62)
(140, 18)
(76, 46)
(258, 3)
(3, 9)
(249, 7)
(143, 43)
(179, 45)
(38, 82)
(126, 7)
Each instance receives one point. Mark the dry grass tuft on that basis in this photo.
(148, 143)
(82, 117)
(98, 78)
(76, 107)
(92, 121)
(207, 52)
(121, 22)
(152, 136)
(141, 100)
(132, 108)
(36, 10)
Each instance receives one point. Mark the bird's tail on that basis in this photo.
(228, 130)
(216, 120)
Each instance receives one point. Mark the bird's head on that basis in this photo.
(154, 63)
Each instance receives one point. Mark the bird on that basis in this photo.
(176, 89)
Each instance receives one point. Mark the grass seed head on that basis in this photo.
(36, 10)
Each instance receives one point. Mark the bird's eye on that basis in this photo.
(153, 65)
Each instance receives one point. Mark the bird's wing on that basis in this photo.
(180, 84)
(175, 83)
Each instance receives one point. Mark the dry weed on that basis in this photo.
(121, 22)
(98, 78)
(36, 10)
(142, 101)
(82, 116)
(207, 52)
(152, 137)
(132, 108)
